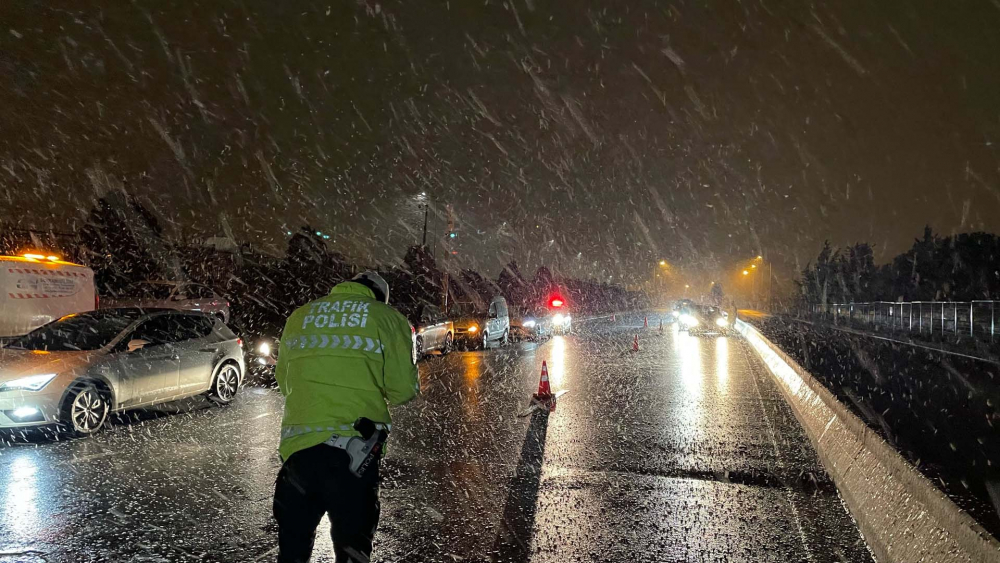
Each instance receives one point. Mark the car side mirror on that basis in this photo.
(136, 344)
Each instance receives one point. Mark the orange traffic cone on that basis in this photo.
(544, 395)
(543, 383)
(635, 344)
(645, 322)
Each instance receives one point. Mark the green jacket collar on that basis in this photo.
(353, 288)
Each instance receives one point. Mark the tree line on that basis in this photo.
(123, 242)
(961, 267)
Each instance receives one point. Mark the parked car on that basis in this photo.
(432, 330)
(75, 371)
(37, 289)
(183, 296)
(534, 325)
(477, 329)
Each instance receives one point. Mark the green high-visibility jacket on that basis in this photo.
(342, 357)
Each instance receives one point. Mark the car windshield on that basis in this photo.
(86, 331)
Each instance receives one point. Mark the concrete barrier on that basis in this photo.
(903, 517)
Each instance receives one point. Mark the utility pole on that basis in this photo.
(770, 279)
(448, 235)
(424, 243)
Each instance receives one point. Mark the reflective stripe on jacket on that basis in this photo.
(343, 356)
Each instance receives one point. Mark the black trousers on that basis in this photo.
(317, 481)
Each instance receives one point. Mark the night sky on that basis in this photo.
(595, 137)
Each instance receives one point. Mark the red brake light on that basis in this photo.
(239, 341)
(556, 302)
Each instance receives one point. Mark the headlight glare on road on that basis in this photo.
(264, 349)
(30, 383)
(721, 322)
(689, 321)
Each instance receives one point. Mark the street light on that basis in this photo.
(746, 272)
(663, 262)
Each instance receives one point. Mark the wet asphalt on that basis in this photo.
(683, 451)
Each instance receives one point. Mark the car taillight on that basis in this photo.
(97, 301)
(239, 341)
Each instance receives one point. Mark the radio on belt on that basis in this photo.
(363, 452)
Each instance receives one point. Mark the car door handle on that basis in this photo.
(210, 349)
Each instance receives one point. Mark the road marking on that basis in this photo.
(777, 453)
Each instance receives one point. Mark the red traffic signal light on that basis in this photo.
(556, 302)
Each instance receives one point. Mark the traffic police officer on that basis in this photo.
(343, 357)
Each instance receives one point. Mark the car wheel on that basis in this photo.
(86, 410)
(420, 347)
(486, 340)
(506, 339)
(449, 344)
(226, 384)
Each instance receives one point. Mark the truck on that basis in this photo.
(36, 289)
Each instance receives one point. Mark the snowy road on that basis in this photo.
(683, 451)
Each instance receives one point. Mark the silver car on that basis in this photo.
(172, 295)
(75, 371)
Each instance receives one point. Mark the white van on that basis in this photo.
(37, 289)
(475, 328)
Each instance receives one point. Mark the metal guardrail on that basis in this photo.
(976, 319)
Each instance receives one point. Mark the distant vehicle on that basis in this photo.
(705, 319)
(75, 371)
(534, 325)
(432, 330)
(681, 307)
(473, 328)
(261, 358)
(183, 296)
(561, 320)
(37, 289)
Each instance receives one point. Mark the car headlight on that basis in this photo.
(264, 349)
(473, 328)
(30, 383)
(721, 321)
(529, 324)
(675, 313)
(558, 319)
(689, 320)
